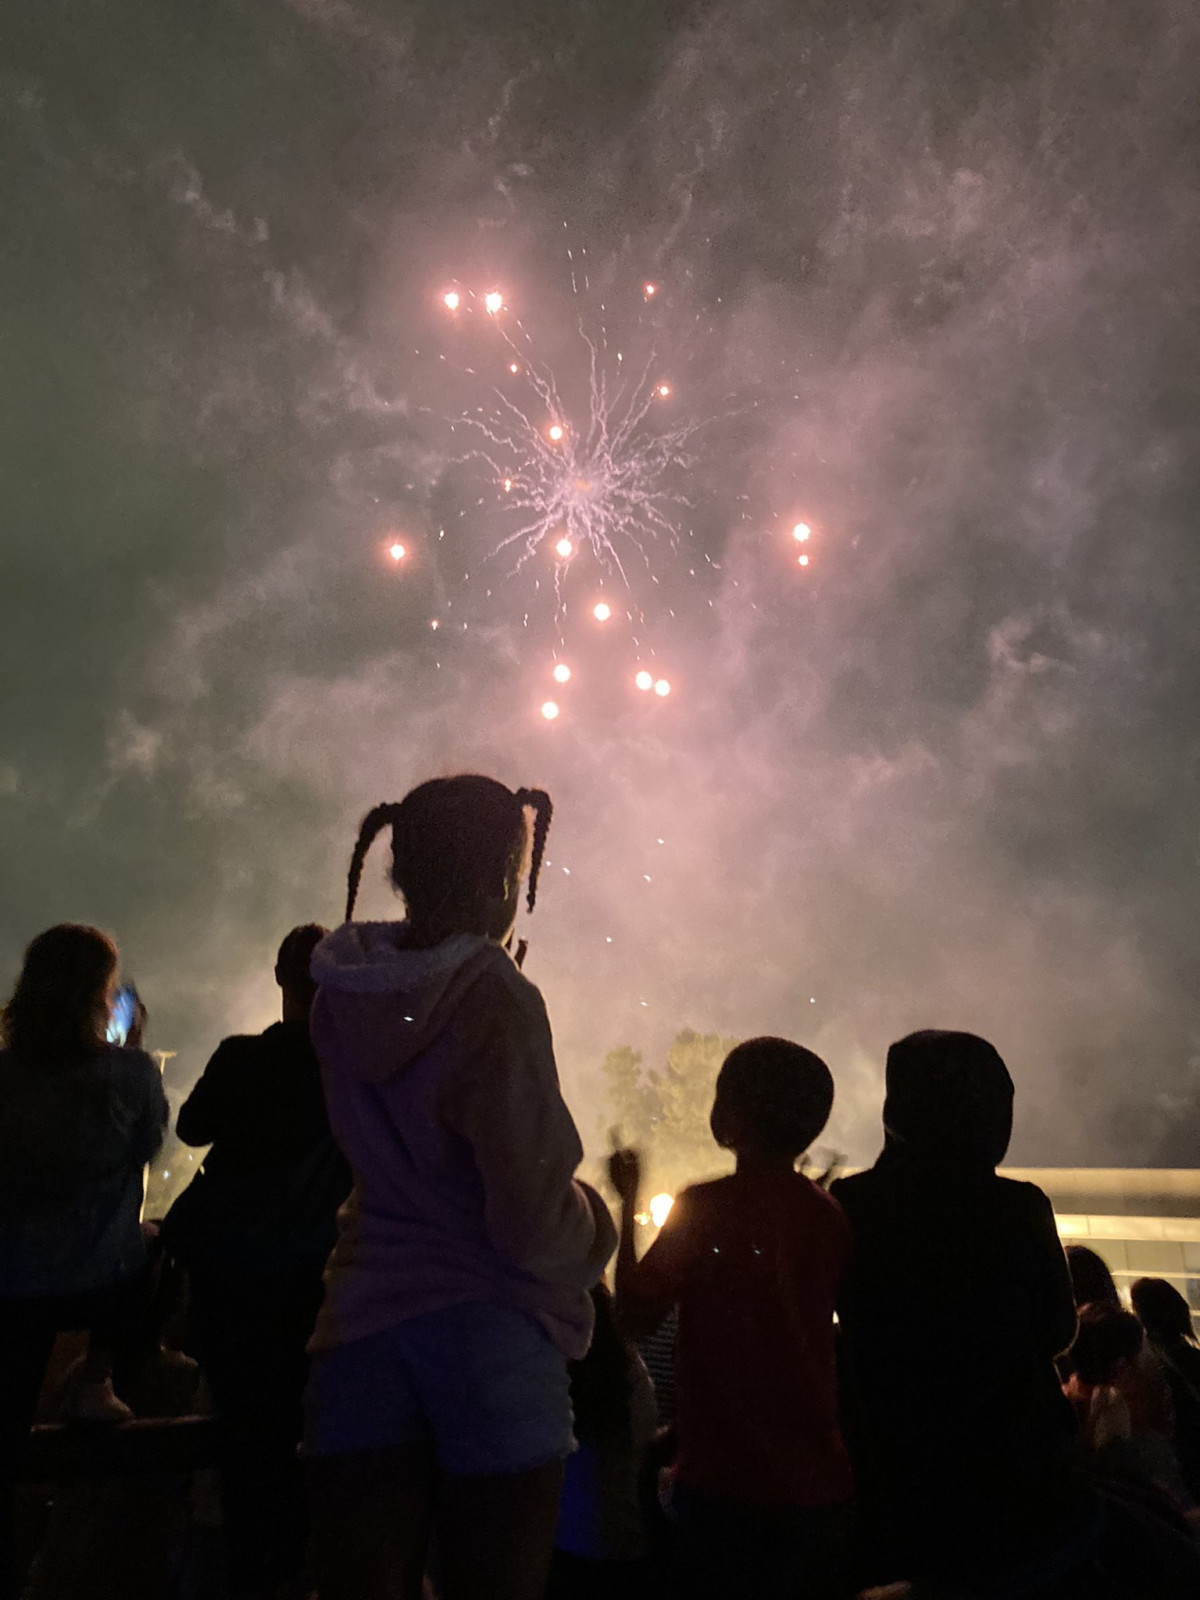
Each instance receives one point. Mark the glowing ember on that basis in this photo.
(514, 367)
(451, 300)
(644, 680)
(664, 390)
(662, 688)
(649, 290)
(493, 301)
(602, 611)
(660, 1208)
(562, 673)
(549, 710)
(556, 431)
(801, 532)
(564, 548)
(397, 551)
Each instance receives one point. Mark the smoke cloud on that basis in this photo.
(943, 261)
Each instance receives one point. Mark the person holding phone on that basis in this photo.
(80, 1116)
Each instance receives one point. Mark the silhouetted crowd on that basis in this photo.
(386, 1288)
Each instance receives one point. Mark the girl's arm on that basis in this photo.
(525, 1143)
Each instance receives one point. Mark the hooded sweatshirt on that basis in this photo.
(439, 1076)
(956, 1303)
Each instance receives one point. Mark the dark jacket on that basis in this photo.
(75, 1136)
(266, 1199)
(956, 1303)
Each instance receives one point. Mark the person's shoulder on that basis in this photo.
(818, 1199)
(127, 1057)
(238, 1048)
(712, 1194)
(1019, 1195)
(128, 1065)
(502, 992)
(854, 1188)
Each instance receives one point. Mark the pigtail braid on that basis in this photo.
(372, 825)
(543, 810)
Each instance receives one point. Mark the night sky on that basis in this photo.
(928, 280)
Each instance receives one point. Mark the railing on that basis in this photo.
(59, 1452)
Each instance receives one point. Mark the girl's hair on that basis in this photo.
(1106, 1336)
(60, 1004)
(454, 842)
(1091, 1281)
(1162, 1310)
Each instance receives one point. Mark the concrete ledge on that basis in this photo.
(60, 1452)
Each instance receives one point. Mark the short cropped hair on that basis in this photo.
(295, 957)
(778, 1094)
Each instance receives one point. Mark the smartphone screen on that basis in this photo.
(120, 1018)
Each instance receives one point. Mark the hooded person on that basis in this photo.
(458, 1289)
(441, 1086)
(955, 1305)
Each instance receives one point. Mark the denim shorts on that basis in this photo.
(484, 1386)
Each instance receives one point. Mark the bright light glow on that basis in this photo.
(451, 300)
(801, 532)
(562, 673)
(434, 624)
(644, 680)
(662, 688)
(650, 290)
(550, 710)
(556, 431)
(803, 561)
(660, 1208)
(602, 611)
(514, 367)
(664, 390)
(564, 548)
(508, 485)
(493, 301)
(397, 551)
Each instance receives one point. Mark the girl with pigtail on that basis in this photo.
(458, 1289)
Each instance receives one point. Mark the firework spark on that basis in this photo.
(605, 477)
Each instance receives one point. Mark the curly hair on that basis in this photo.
(454, 840)
(60, 1004)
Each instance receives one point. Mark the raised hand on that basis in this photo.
(625, 1173)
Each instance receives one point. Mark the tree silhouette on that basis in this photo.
(663, 1109)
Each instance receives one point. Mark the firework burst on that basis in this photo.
(605, 478)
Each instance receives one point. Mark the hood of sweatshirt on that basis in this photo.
(380, 1005)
